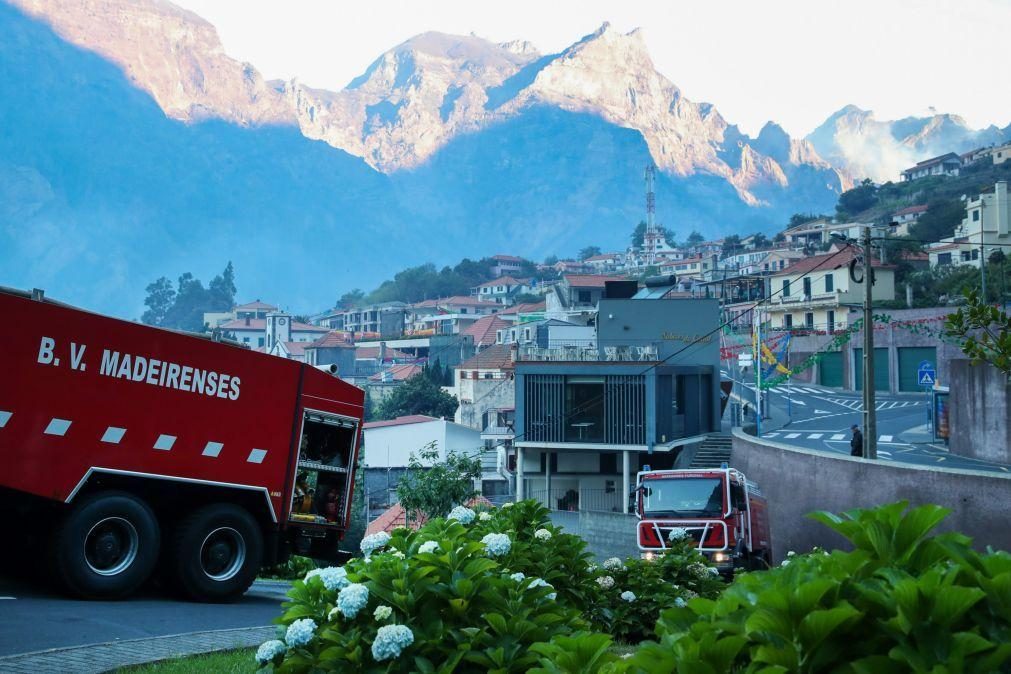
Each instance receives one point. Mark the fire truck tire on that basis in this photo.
(107, 546)
(215, 553)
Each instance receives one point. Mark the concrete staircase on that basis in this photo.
(713, 451)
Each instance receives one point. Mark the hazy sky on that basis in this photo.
(794, 61)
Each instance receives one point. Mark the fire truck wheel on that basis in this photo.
(216, 553)
(106, 546)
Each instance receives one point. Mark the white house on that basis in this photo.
(905, 217)
(264, 333)
(986, 228)
(944, 165)
(389, 444)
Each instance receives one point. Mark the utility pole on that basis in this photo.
(982, 262)
(870, 423)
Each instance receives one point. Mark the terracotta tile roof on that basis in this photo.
(910, 210)
(484, 329)
(401, 421)
(332, 339)
(495, 357)
(366, 352)
(261, 324)
(590, 280)
(255, 306)
(933, 161)
(296, 348)
(910, 255)
(395, 517)
(399, 372)
(826, 262)
(527, 308)
(603, 257)
(947, 246)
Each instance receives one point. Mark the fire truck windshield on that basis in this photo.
(683, 497)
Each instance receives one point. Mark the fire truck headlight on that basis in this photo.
(721, 557)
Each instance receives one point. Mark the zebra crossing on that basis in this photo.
(833, 437)
(857, 405)
(783, 389)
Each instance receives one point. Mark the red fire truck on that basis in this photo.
(127, 448)
(721, 512)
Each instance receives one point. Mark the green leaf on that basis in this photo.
(916, 524)
(816, 626)
(953, 601)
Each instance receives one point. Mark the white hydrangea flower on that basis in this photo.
(397, 553)
(300, 632)
(680, 603)
(613, 564)
(462, 514)
(391, 640)
(714, 571)
(628, 596)
(382, 612)
(540, 582)
(518, 577)
(428, 546)
(542, 535)
(592, 567)
(496, 545)
(677, 534)
(484, 516)
(269, 650)
(791, 553)
(507, 504)
(606, 582)
(698, 569)
(691, 594)
(372, 543)
(352, 599)
(785, 562)
(333, 577)
(312, 574)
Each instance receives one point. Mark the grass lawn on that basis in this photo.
(226, 662)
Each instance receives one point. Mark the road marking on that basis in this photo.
(798, 402)
(770, 435)
(838, 436)
(817, 411)
(791, 436)
(814, 436)
(885, 438)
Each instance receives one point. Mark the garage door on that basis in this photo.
(909, 362)
(830, 370)
(880, 369)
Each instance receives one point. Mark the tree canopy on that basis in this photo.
(183, 307)
(589, 252)
(695, 238)
(857, 199)
(432, 487)
(420, 394)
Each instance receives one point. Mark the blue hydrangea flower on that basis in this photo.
(311, 574)
(372, 543)
(352, 599)
(300, 632)
(680, 603)
(540, 582)
(391, 640)
(677, 534)
(628, 596)
(613, 564)
(497, 544)
(462, 514)
(269, 650)
(518, 577)
(428, 546)
(334, 578)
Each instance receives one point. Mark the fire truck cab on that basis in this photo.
(722, 513)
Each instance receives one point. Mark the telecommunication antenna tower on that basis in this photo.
(652, 233)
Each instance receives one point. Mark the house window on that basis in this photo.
(975, 216)
(246, 340)
(809, 320)
(788, 321)
(786, 287)
(943, 258)
(584, 296)
(829, 283)
(965, 256)
(554, 461)
(831, 320)
(463, 375)
(807, 286)
(261, 342)
(975, 254)
(584, 409)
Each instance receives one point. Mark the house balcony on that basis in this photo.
(591, 351)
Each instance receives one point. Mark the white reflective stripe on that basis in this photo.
(113, 435)
(257, 456)
(791, 436)
(57, 427)
(5, 417)
(885, 438)
(165, 442)
(212, 449)
(814, 436)
(838, 436)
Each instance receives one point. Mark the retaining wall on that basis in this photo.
(606, 534)
(980, 412)
(798, 481)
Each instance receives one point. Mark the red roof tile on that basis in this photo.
(399, 372)
(527, 308)
(495, 357)
(401, 421)
(825, 263)
(590, 280)
(296, 348)
(366, 352)
(910, 210)
(483, 330)
(332, 339)
(255, 306)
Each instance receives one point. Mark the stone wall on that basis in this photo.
(489, 394)
(980, 412)
(606, 534)
(797, 481)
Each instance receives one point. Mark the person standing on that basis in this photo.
(856, 442)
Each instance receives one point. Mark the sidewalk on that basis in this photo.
(98, 658)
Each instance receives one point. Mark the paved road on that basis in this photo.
(33, 618)
(816, 417)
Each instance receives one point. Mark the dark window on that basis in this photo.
(975, 216)
(554, 461)
(584, 409)
(584, 296)
(829, 283)
(944, 258)
(786, 287)
(809, 319)
(807, 286)
(831, 320)
(788, 321)
(609, 463)
(975, 254)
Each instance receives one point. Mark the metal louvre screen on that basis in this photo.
(545, 408)
(625, 410)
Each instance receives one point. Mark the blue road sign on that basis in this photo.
(926, 375)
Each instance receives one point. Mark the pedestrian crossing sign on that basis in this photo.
(926, 375)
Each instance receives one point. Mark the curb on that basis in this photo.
(105, 657)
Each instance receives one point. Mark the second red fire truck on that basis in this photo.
(127, 449)
(723, 514)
